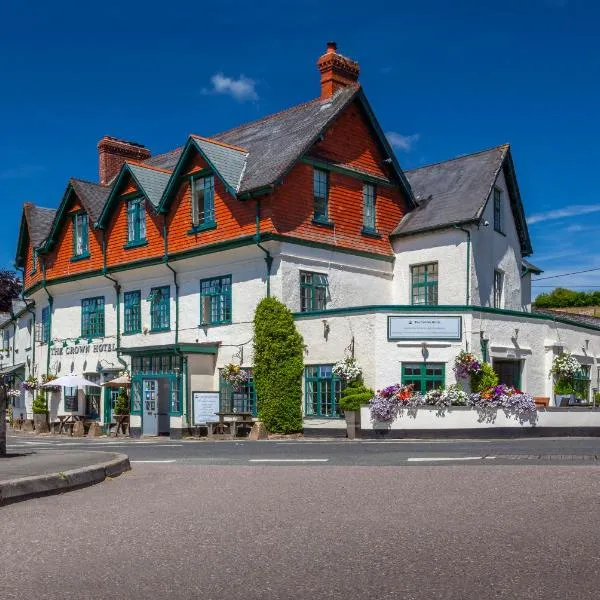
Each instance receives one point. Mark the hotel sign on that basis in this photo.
(425, 327)
(82, 349)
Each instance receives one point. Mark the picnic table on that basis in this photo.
(232, 420)
(68, 421)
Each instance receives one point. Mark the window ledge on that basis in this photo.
(323, 223)
(204, 227)
(160, 330)
(207, 325)
(80, 257)
(132, 332)
(137, 244)
(371, 233)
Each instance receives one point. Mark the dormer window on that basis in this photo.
(80, 235)
(203, 202)
(136, 222)
(34, 260)
(498, 216)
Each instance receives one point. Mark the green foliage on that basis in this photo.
(278, 367)
(485, 379)
(564, 387)
(597, 399)
(563, 297)
(122, 403)
(355, 394)
(40, 403)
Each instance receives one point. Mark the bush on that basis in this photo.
(355, 394)
(485, 379)
(278, 367)
(40, 403)
(122, 403)
(564, 387)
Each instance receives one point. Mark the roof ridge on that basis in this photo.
(504, 148)
(151, 167)
(285, 110)
(219, 143)
(89, 182)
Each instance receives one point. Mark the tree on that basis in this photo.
(10, 289)
(278, 367)
(564, 298)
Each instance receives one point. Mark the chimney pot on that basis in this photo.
(112, 154)
(331, 47)
(337, 71)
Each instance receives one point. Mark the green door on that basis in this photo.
(424, 376)
(110, 397)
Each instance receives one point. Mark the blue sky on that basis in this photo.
(445, 78)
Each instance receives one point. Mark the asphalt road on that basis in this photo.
(537, 451)
(179, 531)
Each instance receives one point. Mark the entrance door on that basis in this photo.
(110, 398)
(150, 407)
(508, 371)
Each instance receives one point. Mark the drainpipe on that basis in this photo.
(268, 257)
(117, 287)
(51, 305)
(468, 302)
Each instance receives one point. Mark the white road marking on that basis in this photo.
(443, 458)
(448, 441)
(288, 460)
(152, 461)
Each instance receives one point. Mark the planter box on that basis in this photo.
(563, 399)
(40, 423)
(352, 423)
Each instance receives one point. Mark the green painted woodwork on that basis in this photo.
(314, 291)
(46, 324)
(92, 317)
(242, 399)
(322, 392)
(355, 174)
(321, 195)
(215, 301)
(203, 202)
(80, 227)
(132, 308)
(369, 204)
(160, 308)
(424, 284)
(424, 376)
(136, 222)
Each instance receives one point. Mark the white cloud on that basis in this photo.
(402, 142)
(561, 213)
(241, 89)
(22, 172)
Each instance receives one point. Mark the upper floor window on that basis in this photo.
(215, 300)
(80, 235)
(498, 285)
(136, 222)
(45, 324)
(132, 312)
(369, 221)
(498, 214)
(313, 291)
(160, 314)
(34, 261)
(203, 201)
(424, 284)
(92, 317)
(321, 195)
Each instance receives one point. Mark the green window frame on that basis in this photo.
(369, 202)
(498, 216)
(92, 317)
(160, 308)
(322, 392)
(46, 324)
(80, 236)
(71, 399)
(136, 397)
(132, 312)
(203, 202)
(215, 300)
(582, 383)
(498, 288)
(34, 261)
(242, 399)
(321, 195)
(136, 222)
(424, 284)
(424, 376)
(314, 291)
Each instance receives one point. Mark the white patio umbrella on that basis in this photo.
(72, 381)
(118, 382)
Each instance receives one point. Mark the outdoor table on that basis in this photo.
(234, 420)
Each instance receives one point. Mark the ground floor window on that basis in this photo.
(242, 399)
(71, 399)
(424, 376)
(581, 384)
(508, 371)
(322, 391)
(136, 397)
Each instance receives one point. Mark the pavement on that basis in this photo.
(29, 472)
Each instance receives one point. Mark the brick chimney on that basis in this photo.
(112, 154)
(337, 71)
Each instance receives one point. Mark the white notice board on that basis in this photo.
(206, 404)
(425, 327)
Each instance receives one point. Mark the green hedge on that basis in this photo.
(355, 394)
(278, 367)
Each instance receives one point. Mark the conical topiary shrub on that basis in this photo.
(122, 403)
(355, 394)
(40, 403)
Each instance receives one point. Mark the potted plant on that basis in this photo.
(564, 391)
(565, 368)
(40, 412)
(354, 394)
(121, 409)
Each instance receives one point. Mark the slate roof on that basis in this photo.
(151, 182)
(531, 267)
(18, 306)
(575, 318)
(39, 222)
(229, 161)
(451, 192)
(92, 195)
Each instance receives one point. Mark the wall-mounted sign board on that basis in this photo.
(206, 405)
(425, 327)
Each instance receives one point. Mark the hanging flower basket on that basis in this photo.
(565, 366)
(30, 384)
(466, 364)
(234, 375)
(347, 369)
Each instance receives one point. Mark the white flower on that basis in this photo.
(347, 369)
